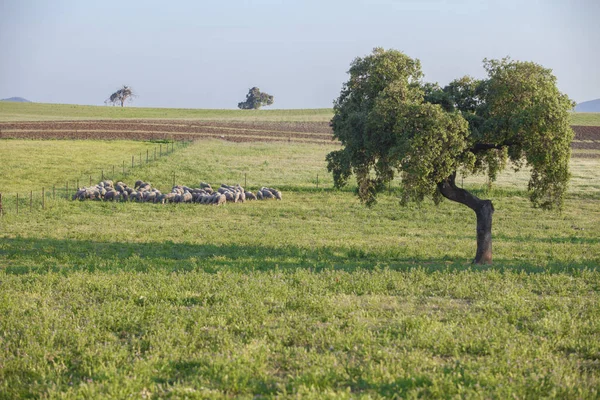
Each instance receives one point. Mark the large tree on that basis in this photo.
(121, 96)
(389, 122)
(256, 99)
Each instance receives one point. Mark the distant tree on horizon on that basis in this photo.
(255, 99)
(120, 96)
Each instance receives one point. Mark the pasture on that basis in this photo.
(315, 296)
(10, 111)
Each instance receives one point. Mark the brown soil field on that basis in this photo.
(586, 137)
(312, 132)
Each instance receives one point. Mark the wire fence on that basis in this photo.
(35, 200)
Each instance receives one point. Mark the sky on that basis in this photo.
(207, 54)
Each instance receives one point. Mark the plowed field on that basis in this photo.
(586, 137)
(311, 132)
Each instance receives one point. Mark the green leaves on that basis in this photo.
(390, 122)
(255, 99)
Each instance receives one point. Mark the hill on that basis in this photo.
(17, 100)
(588, 106)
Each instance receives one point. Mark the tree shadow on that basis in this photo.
(37, 255)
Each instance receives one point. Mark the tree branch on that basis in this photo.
(449, 190)
(479, 147)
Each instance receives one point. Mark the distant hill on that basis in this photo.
(17, 99)
(588, 106)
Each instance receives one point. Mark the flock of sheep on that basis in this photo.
(144, 192)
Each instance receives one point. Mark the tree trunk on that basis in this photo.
(483, 210)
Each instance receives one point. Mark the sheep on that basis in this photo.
(220, 199)
(186, 197)
(150, 196)
(160, 198)
(259, 195)
(170, 197)
(249, 196)
(267, 194)
(110, 195)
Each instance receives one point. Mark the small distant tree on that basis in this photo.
(389, 122)
(121, 96)
(255, 99)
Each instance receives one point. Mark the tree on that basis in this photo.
(121, 95)
(256, 99)
(390, 122)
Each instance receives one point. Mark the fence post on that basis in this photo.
(113, 174)
(160, 149)
(77, 183)
(317, 181)
(90, 180)
(1, 212)
(155, 154)
(140, 158)
(30, 200)
(43, 199)
(17, 203)
(146, 156)
(53, 192)
(102, 174)
(67, 191)
(132, 161)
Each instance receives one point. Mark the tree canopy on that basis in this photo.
(255, 99)
(120, 96)
(390, 122)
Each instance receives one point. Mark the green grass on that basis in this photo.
(66, 160)
(589, 119)
(11, 111)
(315, 296)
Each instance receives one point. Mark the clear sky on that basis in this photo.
(207, 54)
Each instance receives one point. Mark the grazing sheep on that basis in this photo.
(259, 195)
(110, 195)
(137, 184)
(249, 196)
(149, 196)
(170, 197)
(186, 197)
(220, 199)
(160, 199)
(267, 194)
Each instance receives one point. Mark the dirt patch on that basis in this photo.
(587, 132)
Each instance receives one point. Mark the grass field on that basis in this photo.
(10, 111)
(315, 296)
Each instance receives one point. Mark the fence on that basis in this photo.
(30, 201)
